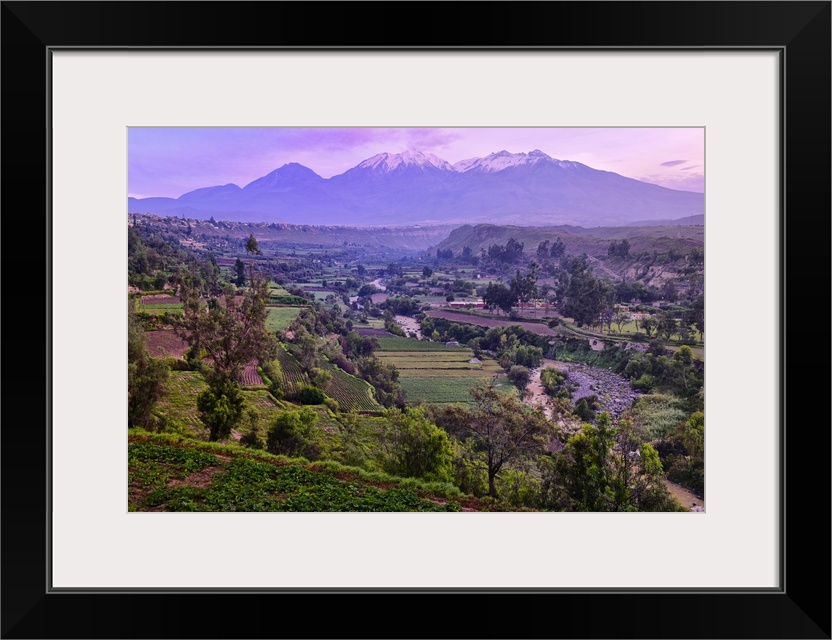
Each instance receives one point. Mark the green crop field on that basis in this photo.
(264, 406)
(349, 392)
(442, 390)
(293, 376)
(281, 317)
(158, 309)
(277, 290)
(179, 402)
(434, 373)
(410, 344)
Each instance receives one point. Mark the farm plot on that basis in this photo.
(293, 376)
(411, 344)
(263, 404)
(179, 403)
(281, 317)
(533, 327)
(351, 393)
(165, 344)
(170, 305)
(463, 359)
(437, 374)
(250, 376)
(370, 332)
(160, 299)
(443, 390)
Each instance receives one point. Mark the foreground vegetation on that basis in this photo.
(353, 415)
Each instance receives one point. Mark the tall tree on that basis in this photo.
(499, 296)
(232, 332)
(667, 325)
(240, 270)
(607, 468)
(501, 429)
(145, 376)
(229, 333)
(585, 296)
(252, 247)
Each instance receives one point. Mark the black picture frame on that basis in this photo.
(799, 31)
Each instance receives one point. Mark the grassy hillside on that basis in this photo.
(167, 473)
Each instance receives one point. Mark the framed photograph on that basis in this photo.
(84, 81)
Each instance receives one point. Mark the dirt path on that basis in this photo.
(605, 268)
(536, 397)
(685, 497)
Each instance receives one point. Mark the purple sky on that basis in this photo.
(173, 161)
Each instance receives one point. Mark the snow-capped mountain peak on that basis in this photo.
(384, 162)
(500, 160)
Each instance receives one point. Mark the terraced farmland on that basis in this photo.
(351, 393)
(434, 373)
(179, 403)
(280, 317)
(158, 304)
(293, 376)
(250, 376)
(410, 344)
(181, 477)
(165, 344)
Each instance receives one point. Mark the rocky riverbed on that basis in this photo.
(410, 325)
(613, 391)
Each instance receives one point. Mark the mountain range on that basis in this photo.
(420, 188)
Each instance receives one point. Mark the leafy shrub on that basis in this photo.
(220, 408)
(290, 430)
(586, 407)
(252, 439)
(644, 383)
(177, 364)
(519, 488)
(552, 379)
(310, 395)
(519, 376)
(416, 447)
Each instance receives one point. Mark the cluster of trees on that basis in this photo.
(521, 289)
(505, 449)
(153, 258)
(606, 467)
(590, 301)
(683, 451)
(509, 253)
(585, 295)
(619, 249)
(679, 374)
(555, 251)
(466, 256)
